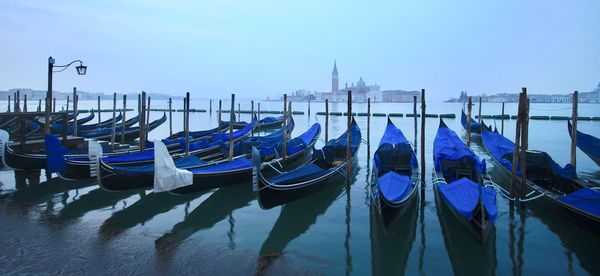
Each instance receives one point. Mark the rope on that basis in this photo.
(278, 171)
(532, 198)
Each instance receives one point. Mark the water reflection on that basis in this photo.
(147, 207)
(294, 220)
(93, 200)
(467, 255)
(391, 247)
(214, 209)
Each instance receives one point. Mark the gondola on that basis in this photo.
(36, 159)
(58, 127)
(224, 173)
(476, 126)
(131, 133)
(118, 176)
(589, 144)
(395, 174)
(458, 184)
(557, 186)
(264, 123)
(327, 164)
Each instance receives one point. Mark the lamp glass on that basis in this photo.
(81, 69)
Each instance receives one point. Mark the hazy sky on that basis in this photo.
(260, 48)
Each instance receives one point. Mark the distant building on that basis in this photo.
(334, 79)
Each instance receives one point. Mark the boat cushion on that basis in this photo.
(462, 195)
(585, 199)
(393, 186)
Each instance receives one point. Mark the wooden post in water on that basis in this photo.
(239, 116)
(142, 120)
(480, 119)
(67, 102)
(210, 107)
(349, 134)
(25, 103)
(574, 129)
(258, 117)
(99, 120)
(187, 124)
(368, 129)
(139, 103)
(524, 142)
(54, 105)
(415, 120)
(326, 120)
(18, 101)
(219, 115)
(517, 148)
(147, 123)
(469, 107)
(9, 103)
(123, 119)
(422, 143)
(114, 122)
(65, 117)
(231, 121)
(75, 109)
(284, 144)
(39, 105)
(502, 121)
(170, 117)
(308, 107)
(252, 116)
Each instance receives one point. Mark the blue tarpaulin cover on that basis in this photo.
(186, 162)
(448, 146)
(585, 199)
(499, 147)
(489, 203)
(462, 195)
(394, 150)
(475, 125)
(589, 144)
(336, 148)
(394, 187)
(269, 120)
(55, 154)
(304, 173)
(240, 163)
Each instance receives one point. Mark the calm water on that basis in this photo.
(76, 227)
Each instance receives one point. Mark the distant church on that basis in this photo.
(360, 92)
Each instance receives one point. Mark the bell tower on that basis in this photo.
(334, 79)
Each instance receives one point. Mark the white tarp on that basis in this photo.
(94, 153)
(166, 176)
(4, 139)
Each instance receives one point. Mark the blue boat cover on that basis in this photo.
(240, 163)
(300, 143)
(394, 151)
(303, 173)
(145, 155)
(336, 148)
(216, 139)
(475, 125)
(269, 120)
(584, 199)
(501, 148)
(462, 195)
(489, 203)
(55, 154)
(448, 146)
(589, 144)
(186, 162)
(394, 187)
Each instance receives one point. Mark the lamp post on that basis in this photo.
(81, 70)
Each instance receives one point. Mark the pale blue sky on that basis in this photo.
(260, 48)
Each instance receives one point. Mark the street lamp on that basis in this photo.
(81, 70)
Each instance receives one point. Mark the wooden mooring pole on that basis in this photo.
(517, 148)
(25, 103)
(123, 119)
(422, 143)
(252, 116)
(187, 124)
(147, 117)
(502, 121)
(210, 107)
(415, 120)
(326, 120)
(469, 107)
(142, 120)
(9, 103)
(99, 120)
(258, 117)
(231, 121)
(368, 130)
(113, 133)
(75, 109)
(480, 119)
(309, 108)
(284, 144)
(524, 143)
(239, 116)
(574, 129)
(39, 109)
(67, 102)
(54, 105)
(349, 134)
(170, 116)
(219, 115)
(18, 101)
